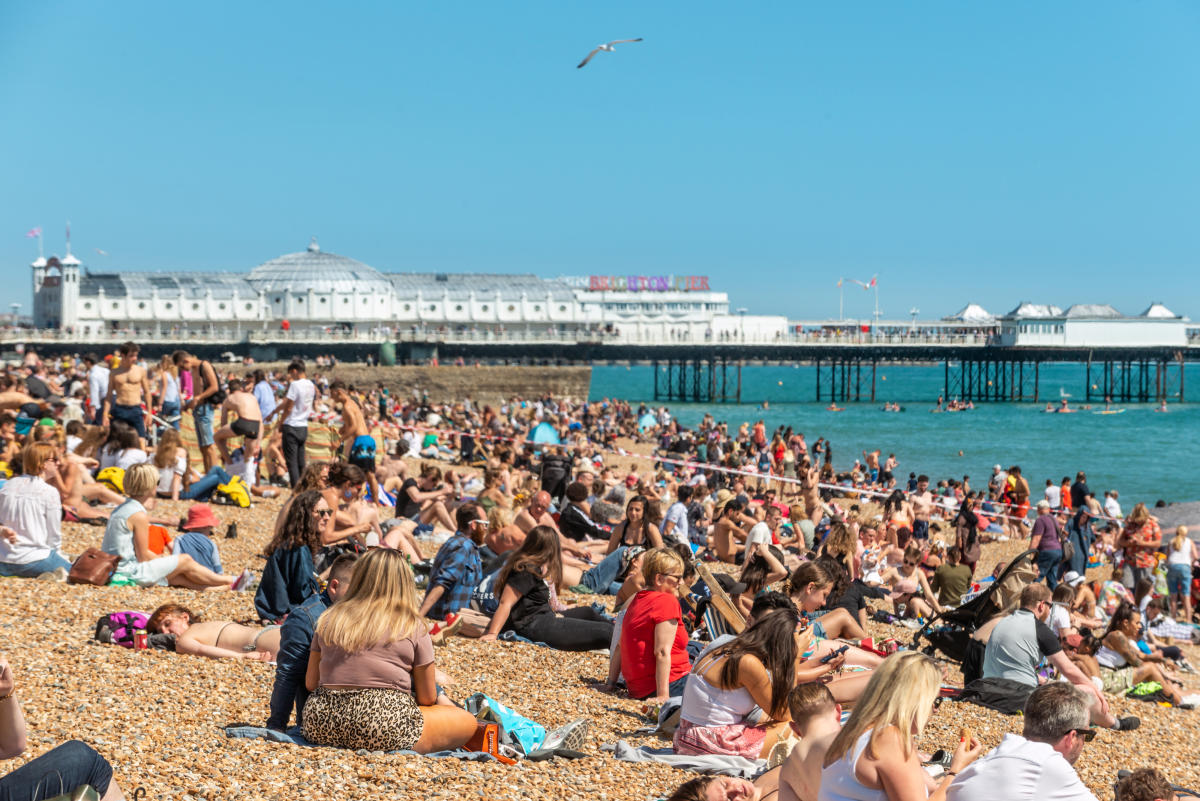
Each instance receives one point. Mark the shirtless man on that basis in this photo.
(247, 425)
(128, 389)
(811, 490)
(205, 384)
(11, 396)
(816, 720)
(217, 639)
(922, 503)
(538, 514)
(872, 460)
(729, 540)
(358, 444)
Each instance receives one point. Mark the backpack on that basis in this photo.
(117, 628)
(235, 493)
(113, 478)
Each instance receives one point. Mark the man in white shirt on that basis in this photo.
(675, 523)
(1053, 494)
(295, 409)
(97, 378)
(762, 532)
(1038, 765)
(1111, 507)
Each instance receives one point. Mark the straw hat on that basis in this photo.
(723, 498)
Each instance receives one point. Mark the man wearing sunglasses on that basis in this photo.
(1038, 763)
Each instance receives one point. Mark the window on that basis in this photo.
(512, 307)
(195, 307)
(458, 307)
(170, 305)
(299, 300)
(279, 300)
(88, 305)
(483, 307)
(221, 306)
(537, 308)
(141, 305)
(322, 300)
(432, 307)
(249, 307)
(347, 300)
(408, 307)
(562, 308)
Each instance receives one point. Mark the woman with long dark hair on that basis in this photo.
(523, 587)
(289, 577)
(966, 532)
(756, 668)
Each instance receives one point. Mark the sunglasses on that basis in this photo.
(1087, 735)
(323, 512)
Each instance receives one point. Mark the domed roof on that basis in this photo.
(318, 271)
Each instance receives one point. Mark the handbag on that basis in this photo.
(93, 566)
(1068, 547)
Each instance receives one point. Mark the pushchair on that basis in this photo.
(950, 630)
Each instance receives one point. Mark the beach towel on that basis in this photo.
(294, 737)
(700, 763)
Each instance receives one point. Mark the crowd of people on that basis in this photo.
(527, 508)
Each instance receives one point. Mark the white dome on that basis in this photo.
(315, 270)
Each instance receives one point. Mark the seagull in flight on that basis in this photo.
(607, 47)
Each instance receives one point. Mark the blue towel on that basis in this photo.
(294, 737)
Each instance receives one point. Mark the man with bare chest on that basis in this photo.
(128, 390)
(248, 424)
(922, 501)
(359, 445)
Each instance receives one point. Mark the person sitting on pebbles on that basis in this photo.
(217, 639)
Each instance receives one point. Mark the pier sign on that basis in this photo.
(648, 283)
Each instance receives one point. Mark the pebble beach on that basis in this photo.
(160, 717)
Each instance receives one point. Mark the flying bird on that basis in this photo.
(607, 47)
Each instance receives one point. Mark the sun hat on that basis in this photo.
(201, 516)
(631, 480)
(724, 496)
(1072, 578)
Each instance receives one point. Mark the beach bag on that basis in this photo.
(113, 478)
(94, 567)
(1150, 691)
(1064, 540)
(234, 493)
(117, 628)
(515, 729)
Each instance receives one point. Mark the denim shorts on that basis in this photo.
(203, 416)
(1179, 579)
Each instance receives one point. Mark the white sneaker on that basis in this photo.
(1190, 701)
(243, 581)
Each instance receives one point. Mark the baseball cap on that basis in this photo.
(731, 585)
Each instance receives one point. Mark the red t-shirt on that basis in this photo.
(647, 610)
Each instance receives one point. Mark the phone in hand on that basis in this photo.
(832, 655)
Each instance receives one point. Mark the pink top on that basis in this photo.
(387, 665)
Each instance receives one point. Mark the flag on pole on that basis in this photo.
(102, 252)
(33, 232)
(874, 280)
(840, 280)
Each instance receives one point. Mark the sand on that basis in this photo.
(158, 716)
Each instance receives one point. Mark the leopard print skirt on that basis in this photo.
(374, 718)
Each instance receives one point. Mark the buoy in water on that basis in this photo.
(781, 383)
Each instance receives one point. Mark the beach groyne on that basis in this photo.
(449, 383)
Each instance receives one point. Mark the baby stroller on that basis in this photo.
(950, 631)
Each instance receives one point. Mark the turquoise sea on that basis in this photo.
(1145, 455)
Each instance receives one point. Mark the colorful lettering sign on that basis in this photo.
(648, 283)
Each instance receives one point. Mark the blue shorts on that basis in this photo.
(362, 453)
(133, 415)
(1179, 579)
(203, 416)
(920, 529)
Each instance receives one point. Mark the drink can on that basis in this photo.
(901, 609)
(140, 641)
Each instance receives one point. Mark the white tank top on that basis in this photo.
(838, 782)
(1181, 557)
(706, 705)
(1109, 658)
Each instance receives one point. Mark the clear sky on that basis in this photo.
(964, 151)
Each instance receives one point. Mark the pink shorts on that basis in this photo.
(737, 739)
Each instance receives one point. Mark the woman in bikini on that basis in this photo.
(910, 587)
(635, 529)
(808, 587)
(493, 494)
(217, 639)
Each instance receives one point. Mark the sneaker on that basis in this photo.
(1128, 723)
(572, 736)
(1190, 701)
(243, 581)
(58, 574)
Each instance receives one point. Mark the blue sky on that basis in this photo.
(989, 152)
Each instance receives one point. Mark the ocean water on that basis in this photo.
(1144, 454)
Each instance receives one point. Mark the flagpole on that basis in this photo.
(841, 299)
(41, 255)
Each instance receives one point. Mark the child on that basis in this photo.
(816, 720)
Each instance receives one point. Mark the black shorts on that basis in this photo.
(364, 463)
(246, 428)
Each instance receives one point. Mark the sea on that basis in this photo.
(1145, 455)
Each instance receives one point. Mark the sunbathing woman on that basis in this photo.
(128, 536)
(635, 529)
(354, 520)
(524, 606)
(218, 639)
(371, 669)
(910, 588)
(808, 587)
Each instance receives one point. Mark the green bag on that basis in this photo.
(82, 793)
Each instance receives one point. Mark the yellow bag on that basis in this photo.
(5, 470)
(113, 478)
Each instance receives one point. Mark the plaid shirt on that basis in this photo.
(457, 568)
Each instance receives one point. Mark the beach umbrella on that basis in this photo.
(545, 434)
(648, 420)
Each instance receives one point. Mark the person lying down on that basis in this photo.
(217, 639)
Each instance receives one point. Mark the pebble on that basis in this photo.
(159, 716)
